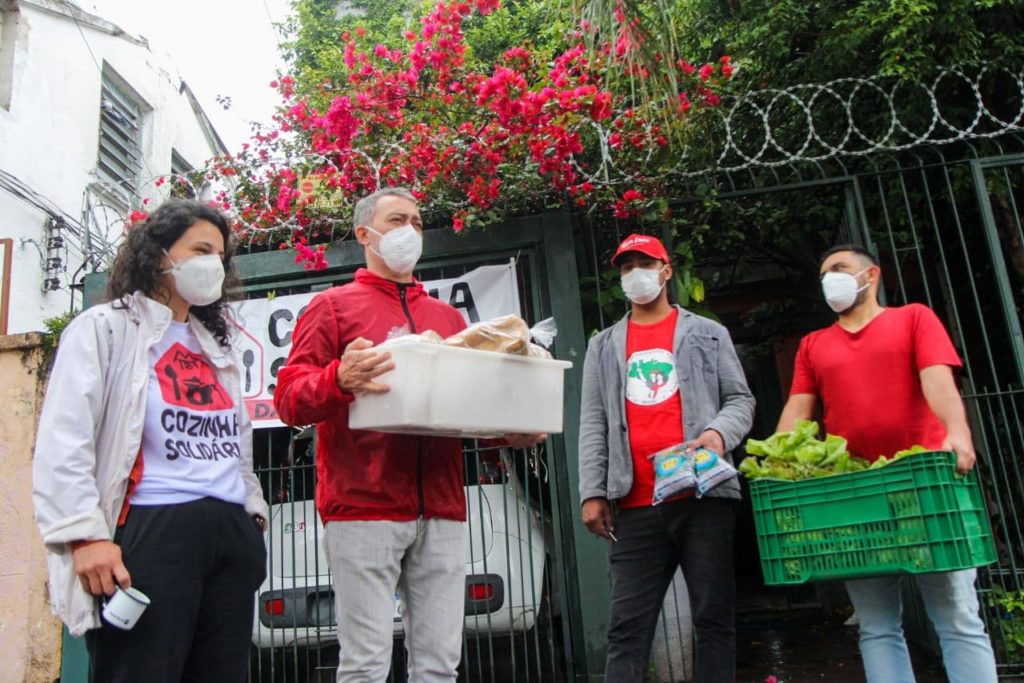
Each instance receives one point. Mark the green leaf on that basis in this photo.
(697, 289)
(681, 291)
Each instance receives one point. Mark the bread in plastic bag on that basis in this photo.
(673, 473)
(507, 334)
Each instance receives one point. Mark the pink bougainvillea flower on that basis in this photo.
(136, 217)
(478, 139)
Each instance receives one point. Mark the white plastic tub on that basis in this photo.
(444, 390)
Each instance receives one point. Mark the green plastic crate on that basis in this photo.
(913, 516)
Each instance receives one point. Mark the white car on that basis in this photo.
(504, 567)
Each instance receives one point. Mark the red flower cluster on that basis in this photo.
(463, 140)
(629, 205)
(311, 259)
(134, 218)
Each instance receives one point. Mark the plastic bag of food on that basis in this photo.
(711, 470)
(673, 473)
(506, 334)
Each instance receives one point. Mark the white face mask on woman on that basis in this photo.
(642, 285)
(841, 289)
(199, 279)
(400, 248)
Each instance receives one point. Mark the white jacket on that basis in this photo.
(90, 432)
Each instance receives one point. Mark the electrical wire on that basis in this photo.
(88, 47)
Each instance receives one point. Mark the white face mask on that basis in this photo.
(642, 285)
(841, 289)
(400, 248)
(199, 279)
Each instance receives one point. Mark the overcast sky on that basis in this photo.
(220, 47)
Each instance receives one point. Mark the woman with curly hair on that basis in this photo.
(143, 462)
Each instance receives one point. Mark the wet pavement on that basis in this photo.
(805, 646)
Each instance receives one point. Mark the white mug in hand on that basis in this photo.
(125, 607)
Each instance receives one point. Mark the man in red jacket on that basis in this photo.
(393, 506)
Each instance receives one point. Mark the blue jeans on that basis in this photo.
(697, 536)
(952, 605)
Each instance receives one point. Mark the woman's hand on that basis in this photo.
(99, 567)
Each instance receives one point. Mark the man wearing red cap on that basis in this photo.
(659, 377)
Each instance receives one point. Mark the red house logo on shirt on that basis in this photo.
(188, 381)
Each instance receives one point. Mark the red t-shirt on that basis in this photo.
(654, 407)
(869, 381)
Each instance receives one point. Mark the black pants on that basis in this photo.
(199, 563)
(696, 535)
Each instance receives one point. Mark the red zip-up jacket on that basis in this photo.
(364, 475)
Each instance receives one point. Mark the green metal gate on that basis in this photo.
(953, 234)
(947, 227)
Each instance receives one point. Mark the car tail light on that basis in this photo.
(274, 607)
(491, 469)
(480, 591)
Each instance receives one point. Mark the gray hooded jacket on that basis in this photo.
(714, 394)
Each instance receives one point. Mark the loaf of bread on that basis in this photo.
(507, 334)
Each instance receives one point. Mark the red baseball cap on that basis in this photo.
(644, 244)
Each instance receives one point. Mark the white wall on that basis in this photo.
(50, 134)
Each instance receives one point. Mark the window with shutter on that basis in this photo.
(119, 150)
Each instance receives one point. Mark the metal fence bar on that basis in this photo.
(999, 267)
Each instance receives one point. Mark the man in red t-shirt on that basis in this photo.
(657, 378)
(884, 378)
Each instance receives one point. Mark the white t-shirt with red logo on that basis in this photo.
(190, 441)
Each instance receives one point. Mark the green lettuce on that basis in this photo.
(799, 454)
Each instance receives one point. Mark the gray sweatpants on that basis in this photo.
(424, 561)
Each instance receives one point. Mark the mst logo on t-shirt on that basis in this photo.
(651, 377)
